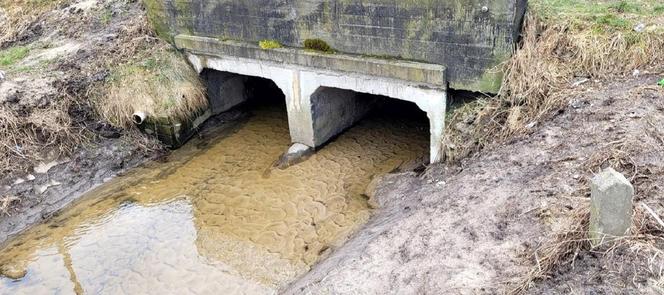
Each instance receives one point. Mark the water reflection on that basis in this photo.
(212, 221)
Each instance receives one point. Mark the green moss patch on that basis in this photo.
(318, 45)
(269, 44)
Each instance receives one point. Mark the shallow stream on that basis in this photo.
(215, 218)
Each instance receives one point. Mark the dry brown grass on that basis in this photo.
(34, 134)
(640, 255)
(6, 204)
(539, 76)
(637, 255)
(18, 16)
(26, 139)
(562, 247)
(42, 134)
(145, 74)
(538, 80)
(161, 84)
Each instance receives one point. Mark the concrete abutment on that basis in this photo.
(321, 100)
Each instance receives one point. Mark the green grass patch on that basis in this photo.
(598, 15)
(11, 56)
(106, 17)
(610, 21)
(625, 7)
(661, 82)
(269, 44)
(659, 9)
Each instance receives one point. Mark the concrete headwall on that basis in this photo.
(469, 37)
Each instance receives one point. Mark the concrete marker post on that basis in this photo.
(611, 207)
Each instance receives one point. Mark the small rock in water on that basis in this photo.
(19, 181)
(296, 153)
(298, 148)
(371, 191)
(30, 177)
(2, 75)
(13, 273)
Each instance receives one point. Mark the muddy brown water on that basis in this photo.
(215, 219)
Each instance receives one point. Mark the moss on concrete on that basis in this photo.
(489, 82)
(156, 12)
(269, 44)
(318, 45)
(462, 35)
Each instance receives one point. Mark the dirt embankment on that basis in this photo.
(488, 225)
(48, 117)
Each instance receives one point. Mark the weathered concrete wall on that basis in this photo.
(225, 90)
(333, 110)
(468, 37)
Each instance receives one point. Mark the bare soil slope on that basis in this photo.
(476, 228)
(46, 115)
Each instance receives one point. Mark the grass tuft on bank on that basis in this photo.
(566, 43)
(142, 73)
(563, 41)
(160, 83)
(26, 138)
(18, 16)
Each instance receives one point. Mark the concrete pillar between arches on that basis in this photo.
(436, 114)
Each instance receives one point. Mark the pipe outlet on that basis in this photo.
(139, 118)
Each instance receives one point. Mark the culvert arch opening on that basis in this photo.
(227, 90)
(336, 110)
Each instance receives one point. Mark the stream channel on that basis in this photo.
(216, 217)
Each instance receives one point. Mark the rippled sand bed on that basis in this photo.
(216, 220)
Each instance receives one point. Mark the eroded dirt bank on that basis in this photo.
(474, 228)
(54, 145)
